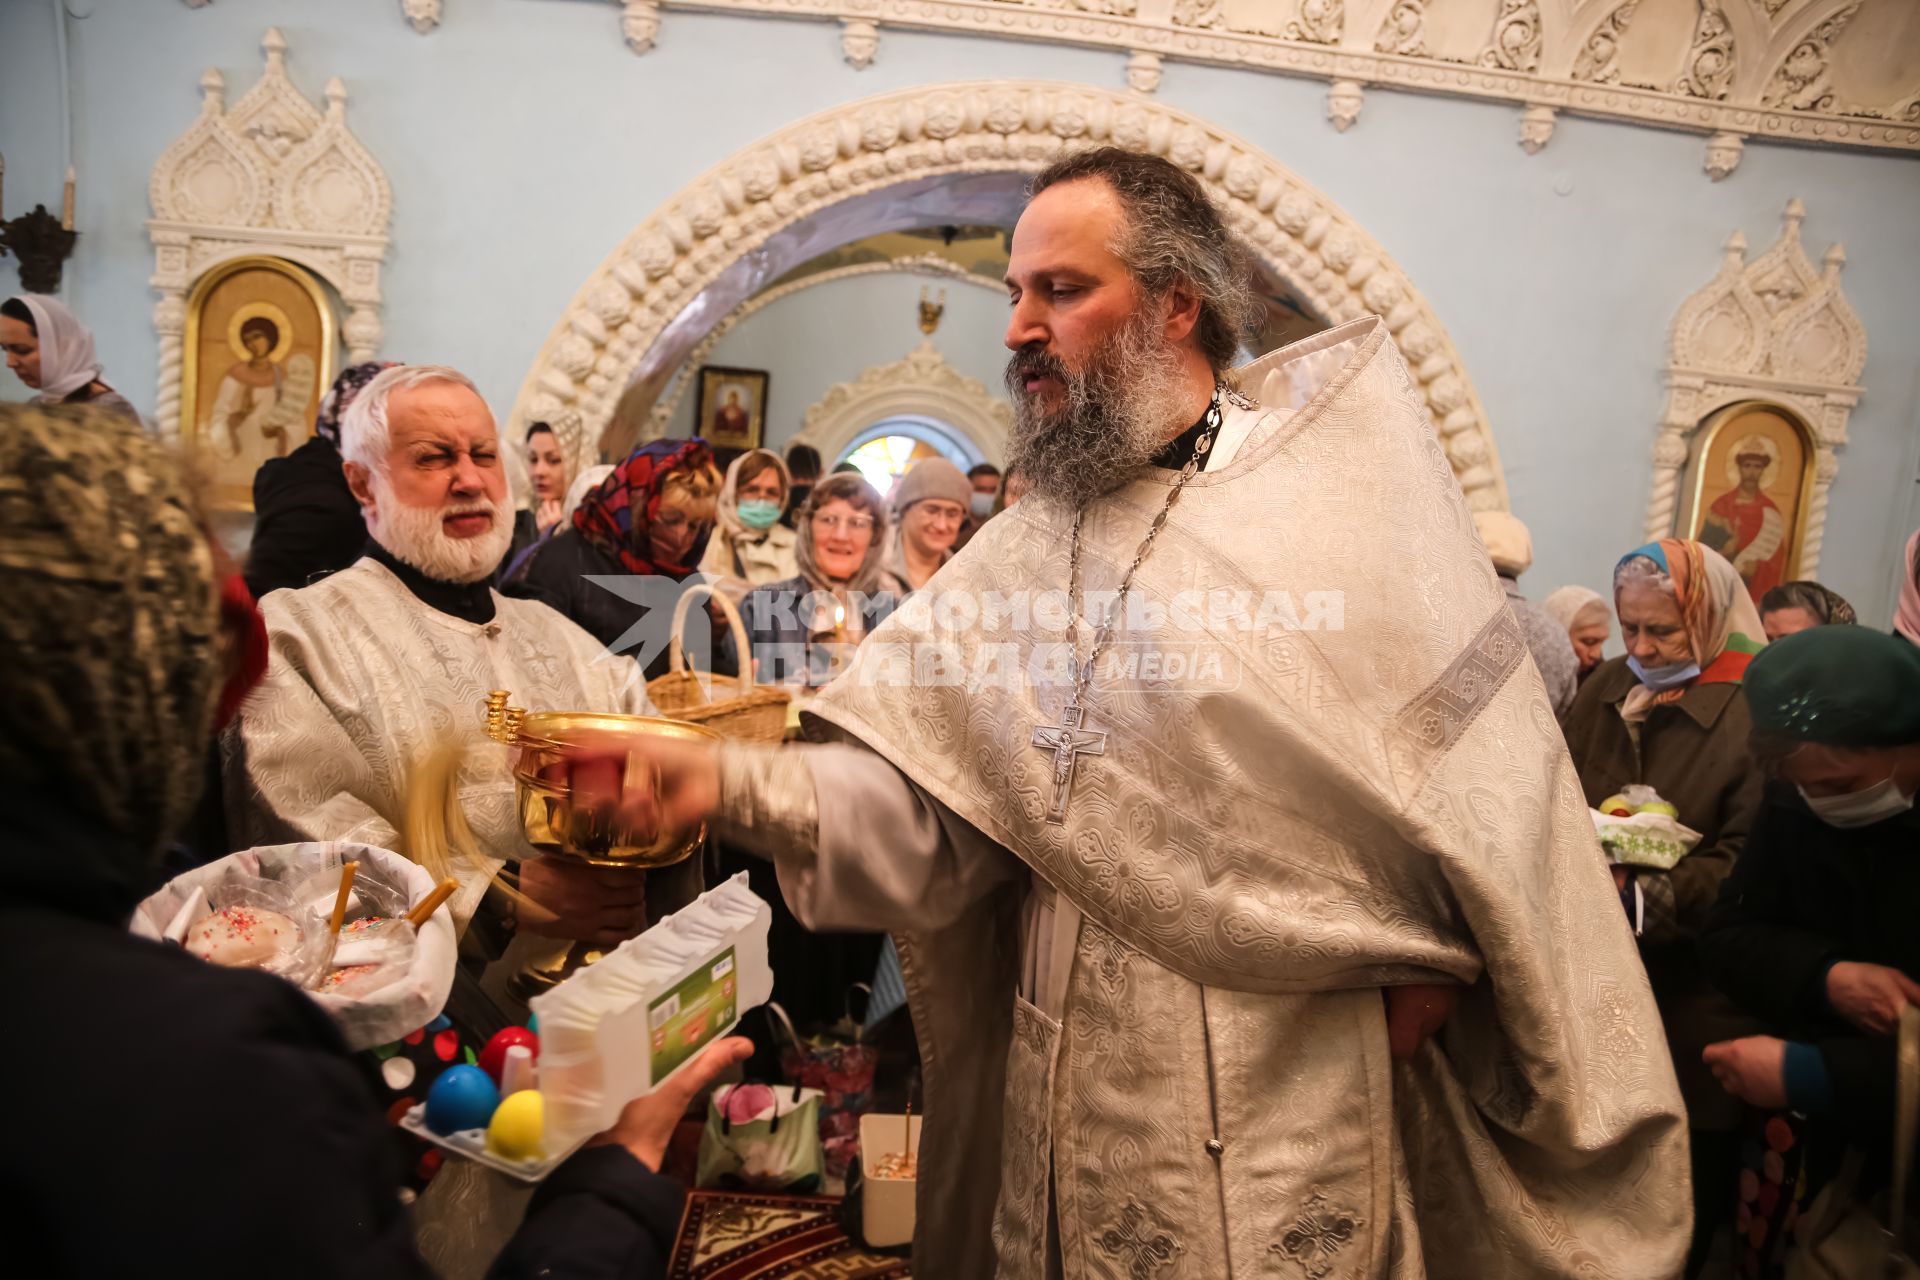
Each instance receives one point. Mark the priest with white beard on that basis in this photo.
(375, 666)
(1147, 920)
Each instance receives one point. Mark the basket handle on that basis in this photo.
(676, 656)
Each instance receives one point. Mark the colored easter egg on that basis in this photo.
(494, 1056)
(519, 1123)
(461, 1098)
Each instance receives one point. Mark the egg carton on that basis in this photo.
(471, 1144)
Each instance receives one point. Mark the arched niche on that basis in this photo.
(923, 385)
(1773, 331)
(961, 153)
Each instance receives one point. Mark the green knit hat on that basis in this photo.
(1841, 686)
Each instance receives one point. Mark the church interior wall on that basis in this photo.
(524, 139)
(832, 333)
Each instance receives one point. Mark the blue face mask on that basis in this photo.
(758, 513)
(1661, 679)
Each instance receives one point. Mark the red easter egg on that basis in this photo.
(493, 1058)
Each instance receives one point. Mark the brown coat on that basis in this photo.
(1694, 753)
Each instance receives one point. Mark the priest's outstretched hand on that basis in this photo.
(650, 784)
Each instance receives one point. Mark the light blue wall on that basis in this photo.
(833, 332)
(524, 140)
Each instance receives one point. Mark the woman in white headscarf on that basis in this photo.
(1588, 620)
(50, 351)
(750, 547)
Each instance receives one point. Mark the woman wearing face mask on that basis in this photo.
(649, 519)
(802, 629)
(1814, 930)
(1672, 714)
(750, 547)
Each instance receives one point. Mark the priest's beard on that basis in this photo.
(1114, 414)
(415, 535)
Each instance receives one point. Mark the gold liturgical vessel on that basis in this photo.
(552, 824)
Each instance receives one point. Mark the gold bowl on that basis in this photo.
(548, 818)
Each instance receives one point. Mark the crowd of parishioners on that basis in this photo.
(1780, 948)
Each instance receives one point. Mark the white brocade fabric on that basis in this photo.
(364, 679)
(1383, 801)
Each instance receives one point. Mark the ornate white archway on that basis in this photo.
(1298, 236)
(923, 384)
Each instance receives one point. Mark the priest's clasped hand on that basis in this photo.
(562, 899)
(1415, 1012)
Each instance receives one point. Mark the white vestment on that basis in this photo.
(1152, 1035)
(364, 679)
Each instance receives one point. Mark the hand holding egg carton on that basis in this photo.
(271, 909)
(614, 1031)
(1637, 828)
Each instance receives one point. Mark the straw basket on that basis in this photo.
(736, 708)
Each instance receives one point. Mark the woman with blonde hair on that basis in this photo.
(649, 519)
(750, 547)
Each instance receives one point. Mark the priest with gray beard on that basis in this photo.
(378, 664)
(1308, 967)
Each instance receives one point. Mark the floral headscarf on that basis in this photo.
(351, 382)
(110, 645)
(1723, 627)
(616, 516)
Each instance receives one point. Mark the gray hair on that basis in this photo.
(363, 428)
(1173, 236)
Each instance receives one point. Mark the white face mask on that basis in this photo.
(1877, 803)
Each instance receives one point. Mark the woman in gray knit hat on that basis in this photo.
(929, 502)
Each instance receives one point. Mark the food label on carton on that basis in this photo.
(681, 1022)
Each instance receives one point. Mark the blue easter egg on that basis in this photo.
(462, 1098)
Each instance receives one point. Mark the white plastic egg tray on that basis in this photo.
(471, 1144)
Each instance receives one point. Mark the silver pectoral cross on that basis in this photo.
(1068, 742)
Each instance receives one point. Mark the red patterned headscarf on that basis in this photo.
(616, 516)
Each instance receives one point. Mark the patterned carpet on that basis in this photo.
(731, 1236)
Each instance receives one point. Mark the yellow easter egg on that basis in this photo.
(518, 1125)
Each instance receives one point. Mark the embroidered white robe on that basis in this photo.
(1203, 1086)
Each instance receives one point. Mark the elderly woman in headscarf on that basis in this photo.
(1510, 547)
(1906, 614)
(306, 523)
(750, 547)
(1814, 931)
(1583, 613)
(648, 520)
(803, 629)
(1672, 715)
(50, 351)
(1793, 607)
(126, 642)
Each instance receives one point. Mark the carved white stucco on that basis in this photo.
(1750, 68)
(1773, 329)
(274, 175)
(1300, 238)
